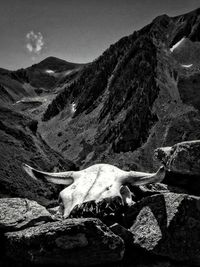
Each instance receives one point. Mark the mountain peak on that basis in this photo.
(55, 64)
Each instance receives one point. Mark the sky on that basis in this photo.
(73, 30)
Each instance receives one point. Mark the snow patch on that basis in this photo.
(177, 44)
(73, 108)
(187, 66)
(50, 71)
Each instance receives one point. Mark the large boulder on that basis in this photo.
(167, 225)
(142, 191)
(72, 241)
(183, 163)
(182, 158)
(20, 213)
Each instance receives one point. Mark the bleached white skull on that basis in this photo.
(98, 182)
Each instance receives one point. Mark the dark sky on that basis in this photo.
(74, 30)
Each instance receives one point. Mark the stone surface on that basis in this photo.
(142, 191)
(124, 233)
(20, 213)
(73, 241)
(167, 225)
(189, 184)
(56, 213)
(182, 158)
(183, 163)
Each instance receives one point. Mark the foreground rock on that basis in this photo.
(182, 158)
(56, 213)
(142, 191)
(20, 213)
(73, 241)
(167, 225)
(124, 233)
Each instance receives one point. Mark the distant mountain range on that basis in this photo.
(36, 79)
(143, 92)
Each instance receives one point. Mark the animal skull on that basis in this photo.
(98, 182)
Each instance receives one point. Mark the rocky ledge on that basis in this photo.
(183, 165)
(182, 158)
(161, 228)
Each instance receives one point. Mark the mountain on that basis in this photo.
(37, 79)
(55, 64)
(21, 101)
(20, 142)
(48, 73)
(30, 90)
(14, 85)
(141, 93)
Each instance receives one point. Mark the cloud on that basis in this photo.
(34, 43)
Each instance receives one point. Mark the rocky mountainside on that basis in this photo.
(21, 100)
(20, 142)
(141, 93)
(14, 85)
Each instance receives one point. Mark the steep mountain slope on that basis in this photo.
(14, 85)
(143, 92)
(20, 142)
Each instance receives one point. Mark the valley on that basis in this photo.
(140, 94)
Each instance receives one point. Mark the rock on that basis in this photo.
(72, 241)
(124, 233)
(161, 263)
(189, 184)
(167, 225)
(142, 191)
(20, 213)
(182, 158)
(56, 213)
(183, 163)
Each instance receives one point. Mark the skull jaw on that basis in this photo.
(108, 202)
(109, 209)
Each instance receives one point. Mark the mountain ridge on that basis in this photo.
(127, 95)
(36, 79)
(55, 63)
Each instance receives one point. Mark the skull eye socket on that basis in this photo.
(61, 206)
(60, 200)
